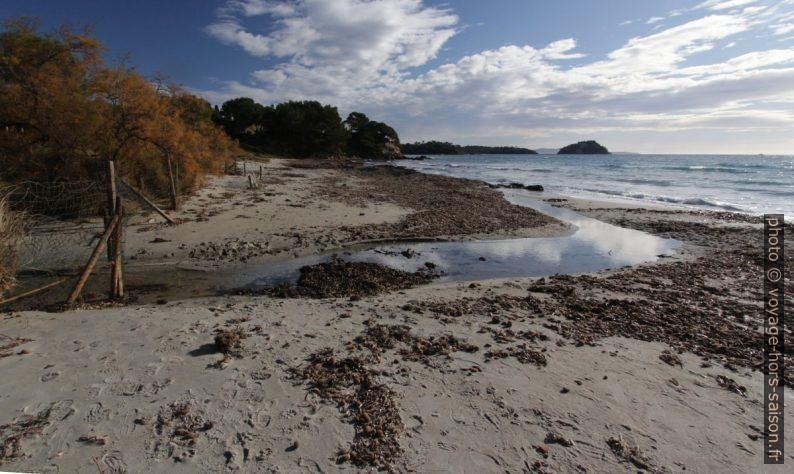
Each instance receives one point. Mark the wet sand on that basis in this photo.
(647, 368)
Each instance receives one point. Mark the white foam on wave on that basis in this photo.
(679, 181)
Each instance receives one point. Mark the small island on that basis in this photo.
(446, 148)
(590, 147)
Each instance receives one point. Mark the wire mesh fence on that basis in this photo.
(62, 221)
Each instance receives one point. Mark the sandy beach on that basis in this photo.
(650, 368)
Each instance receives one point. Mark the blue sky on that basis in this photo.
(702, 76)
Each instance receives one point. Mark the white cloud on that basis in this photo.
(746, 62)
(317, 31)
(358, 55)
(335, 48)
(783, 28)
(724, 4)
(654, 19)
(662, 51)
(560, 50)
(256, 7)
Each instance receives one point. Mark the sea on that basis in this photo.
(752, 184)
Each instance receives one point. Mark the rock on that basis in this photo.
(529, 187)
(590, 147)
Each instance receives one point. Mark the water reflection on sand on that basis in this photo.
(594, 245)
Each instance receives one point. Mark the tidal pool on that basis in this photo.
(594, 245)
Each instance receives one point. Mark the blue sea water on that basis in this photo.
(754, 184)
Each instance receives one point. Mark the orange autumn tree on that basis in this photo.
(63, 114)
(48, 117)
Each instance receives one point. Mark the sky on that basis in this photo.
(662, 76)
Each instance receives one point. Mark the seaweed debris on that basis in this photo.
(181, 425)
(339, 278)
(8, 346)
(12, 434)
(368, 405)
(521, 352)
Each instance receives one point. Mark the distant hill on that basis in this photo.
(446, 148)
(590, 147)
(553, 151)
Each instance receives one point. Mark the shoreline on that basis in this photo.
(611, 371)
(675, 190)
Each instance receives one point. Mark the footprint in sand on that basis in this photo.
(114, 462)
(133, 387)
(96, 413)
(51, 375)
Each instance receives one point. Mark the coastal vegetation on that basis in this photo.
(11, 231)
(590, 147)
(305, 129)
(64, 113)
(446, 148)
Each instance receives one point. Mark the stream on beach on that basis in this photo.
(593, 245)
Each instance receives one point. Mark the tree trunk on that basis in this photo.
(172, 182)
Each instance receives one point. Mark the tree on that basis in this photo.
(371, 139)
(63, 114)
(240, 117)
(46, 84)
(306, 129)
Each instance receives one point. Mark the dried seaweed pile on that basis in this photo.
(229, 342)
(450, 206)
(367, 404)
(485, 305)
(632, 454)
(691, 315)
(378, 337)
(8, 344)
(371, 407)
(339, 278)
(710, 306)
(180, 424)
(729, 384)
(508, 335)
(521, 352)
(12, 434)
(423, 348)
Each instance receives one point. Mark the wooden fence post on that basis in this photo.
(172, 183)
(176, 180)
(111, 203)
(154, 206)
(117, 277)
(260, 171)
(33, 292)
(78, 287)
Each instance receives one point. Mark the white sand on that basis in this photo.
(108, 373)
